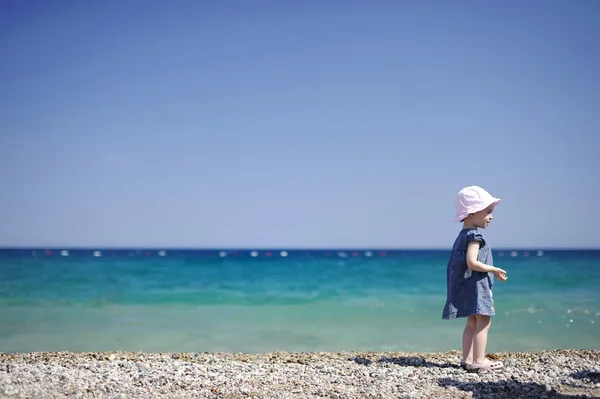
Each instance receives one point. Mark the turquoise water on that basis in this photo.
(195, 301)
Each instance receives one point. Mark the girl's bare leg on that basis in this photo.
(467, 339)
(480, 338)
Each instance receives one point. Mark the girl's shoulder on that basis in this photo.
(471, 232)
(469, 235)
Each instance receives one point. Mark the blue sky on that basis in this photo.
(298, 123)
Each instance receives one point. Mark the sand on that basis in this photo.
(547, 374)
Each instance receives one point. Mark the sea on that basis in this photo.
(263, 300)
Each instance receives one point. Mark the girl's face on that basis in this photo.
(482, 218)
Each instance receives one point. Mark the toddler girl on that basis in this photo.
(470, 277)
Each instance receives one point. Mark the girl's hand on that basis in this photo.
(500, 274)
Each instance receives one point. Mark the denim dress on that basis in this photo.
(468, 292)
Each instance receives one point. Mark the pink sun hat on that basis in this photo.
(472, 199)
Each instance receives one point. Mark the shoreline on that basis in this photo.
(563, 373)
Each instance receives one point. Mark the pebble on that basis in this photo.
(568, 373)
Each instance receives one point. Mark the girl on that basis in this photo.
(470, 277)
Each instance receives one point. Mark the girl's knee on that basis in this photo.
(471, 322)
(483, 321)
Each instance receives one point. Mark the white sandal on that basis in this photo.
(486, 367)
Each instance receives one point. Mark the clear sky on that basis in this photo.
(297, 123)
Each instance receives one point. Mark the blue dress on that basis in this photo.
(468, 292)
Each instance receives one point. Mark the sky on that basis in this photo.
(297, 124)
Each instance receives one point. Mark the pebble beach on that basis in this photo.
(546, 374)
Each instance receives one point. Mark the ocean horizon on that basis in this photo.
(286, 299)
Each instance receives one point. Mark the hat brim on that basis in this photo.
(463, 215)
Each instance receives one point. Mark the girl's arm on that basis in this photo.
(474, 264)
